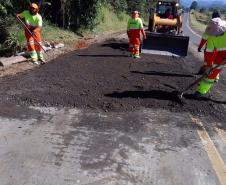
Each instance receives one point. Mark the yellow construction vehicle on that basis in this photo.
(164, 35)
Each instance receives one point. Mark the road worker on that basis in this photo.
(33, 21)
(216, 31)
(134, 29)
(168, 14)
(208, 57)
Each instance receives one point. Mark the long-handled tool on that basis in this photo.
(181, 93)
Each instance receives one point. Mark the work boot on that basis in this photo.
(36, 62)
(136, 56)
(42, 61)
(217, 79)
(198, 95)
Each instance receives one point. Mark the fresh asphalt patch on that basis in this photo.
(104, 77)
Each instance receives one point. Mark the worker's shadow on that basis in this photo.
(160, 95)
(156, 73)
(192, 97)
(117, 46)
(153, 94)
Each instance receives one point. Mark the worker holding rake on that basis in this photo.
(216, 42)
(32, 27)
(134, 29)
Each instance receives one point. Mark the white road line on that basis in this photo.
(222, 134)
(214, 156)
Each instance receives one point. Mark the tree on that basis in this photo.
(74, 14)
(194, 5)
(142, 6)
(223, 11)
(202, 10)
(118, 5)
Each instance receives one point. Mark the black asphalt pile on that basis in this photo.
(104, 77)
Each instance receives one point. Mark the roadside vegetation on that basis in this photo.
(201, 16)
(199, 20)
(67, 20)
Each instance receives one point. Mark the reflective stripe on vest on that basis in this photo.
(221, 49)
(209, 50)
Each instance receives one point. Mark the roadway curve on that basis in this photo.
(194, 37)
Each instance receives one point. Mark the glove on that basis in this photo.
(199, 50)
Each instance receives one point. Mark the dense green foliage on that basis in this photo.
(75, 13)
(79, 13)
(71, 14)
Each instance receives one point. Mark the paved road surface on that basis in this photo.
(68, 146)
(62, 146)
(194, 36)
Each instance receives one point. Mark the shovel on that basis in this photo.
(206, 74)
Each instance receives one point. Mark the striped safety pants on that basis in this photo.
(134, 41)
(206, 84)
(209, 58)
(34, 48)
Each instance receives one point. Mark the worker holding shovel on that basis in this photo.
(216, 42)
(32, 27)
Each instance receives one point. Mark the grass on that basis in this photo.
(199, 20)
(110, 21)
(50, 33)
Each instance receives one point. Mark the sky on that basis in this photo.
(188, 2)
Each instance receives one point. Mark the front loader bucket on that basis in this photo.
(165, 44)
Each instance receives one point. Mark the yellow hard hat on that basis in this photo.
(34, 6)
